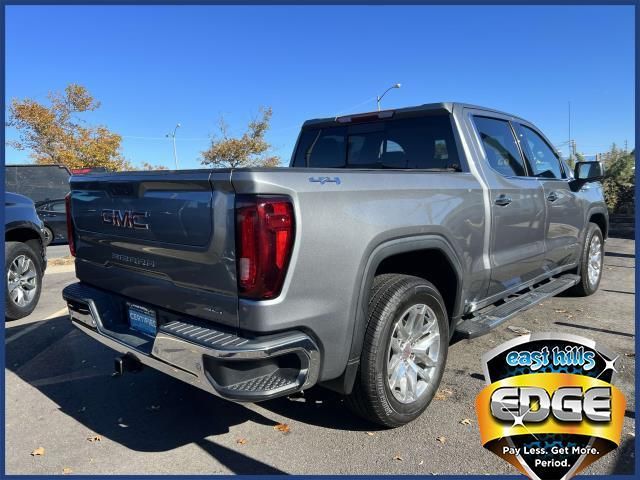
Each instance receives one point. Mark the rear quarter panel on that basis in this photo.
(20, 212)
(339, 225)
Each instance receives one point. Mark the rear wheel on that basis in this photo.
(48, 236)
(591, 263)
(404, 351)
(23, 274)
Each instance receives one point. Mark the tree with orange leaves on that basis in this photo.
(54, 133)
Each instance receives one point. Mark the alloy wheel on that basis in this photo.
(413, 353)
(48, 236)
(594, 265)
(22, 280)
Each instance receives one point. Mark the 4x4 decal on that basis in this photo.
(323, 180)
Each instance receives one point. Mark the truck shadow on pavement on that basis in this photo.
(625, 462)
(149, 411)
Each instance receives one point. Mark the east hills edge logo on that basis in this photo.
(549, 407)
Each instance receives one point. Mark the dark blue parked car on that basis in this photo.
(54, 216)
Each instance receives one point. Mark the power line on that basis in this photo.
(344, 110)
(291, 127)
(356, 106)
(164, 138)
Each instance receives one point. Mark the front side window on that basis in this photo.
(567, 169)
(542, 159)
(500, 146)
(407, 143)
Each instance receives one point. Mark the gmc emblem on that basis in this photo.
(125, 219)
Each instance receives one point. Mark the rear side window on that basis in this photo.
(408, 143)
(542, 159)
(500, 146)
(322, 148)
(58, 207)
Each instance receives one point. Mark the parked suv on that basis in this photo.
(24, 256)
(352, 269)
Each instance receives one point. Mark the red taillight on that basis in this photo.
(70, 239)
(264, 240)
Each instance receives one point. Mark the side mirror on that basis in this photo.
(589, 171)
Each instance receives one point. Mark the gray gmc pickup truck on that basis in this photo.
(352, 269)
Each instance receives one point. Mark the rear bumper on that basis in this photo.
(221, 362)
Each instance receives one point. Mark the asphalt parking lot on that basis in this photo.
(61, 396)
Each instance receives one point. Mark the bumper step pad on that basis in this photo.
(489, 318)
(203, 335)
(273, 381)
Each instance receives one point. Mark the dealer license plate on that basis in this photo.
(143, 320)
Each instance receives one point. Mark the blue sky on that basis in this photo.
(154, 66)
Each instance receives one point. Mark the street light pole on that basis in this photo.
(397, 85)
(570, 140)
(175, 151)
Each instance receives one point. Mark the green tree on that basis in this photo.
(619, 182)
(54, 133)
(249, 150)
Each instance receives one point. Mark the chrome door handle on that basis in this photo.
(552, 197)
(503, 200)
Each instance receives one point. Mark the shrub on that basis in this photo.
(619, 182)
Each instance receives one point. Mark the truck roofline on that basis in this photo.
(442, 107)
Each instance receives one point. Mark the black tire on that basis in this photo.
(372, 398)
(12, 251)
(48, 236)
(585, 286)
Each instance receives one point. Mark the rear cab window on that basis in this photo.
(501, 149)
(423, 142)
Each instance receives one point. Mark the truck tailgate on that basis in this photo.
(162, 239)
